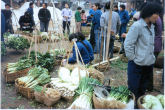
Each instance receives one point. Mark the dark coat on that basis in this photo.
(44, 15)
(23, 20)
(2, 26)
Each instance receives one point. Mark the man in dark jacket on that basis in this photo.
(44, 17)
(8, 22)
(26, 22)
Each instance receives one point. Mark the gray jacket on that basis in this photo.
(115, 25)
(139, 43)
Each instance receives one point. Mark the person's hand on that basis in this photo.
(124, 35)
(25, 24)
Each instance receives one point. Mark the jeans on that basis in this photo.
(111, 46)
(138, 78)
(83, 24)
(44, 26)
(66, 24)
(97, 41)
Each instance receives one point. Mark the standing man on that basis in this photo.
(30, 10)
(8, 22)
(44, 17)
(114, 28)
(139, 49)
(116, 9)
(66, 14)
(124, 18)
(78, 19)
(96, 24)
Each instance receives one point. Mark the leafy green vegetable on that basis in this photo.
(20, 65)
(17, 43)
(84, 93)
(120, 93)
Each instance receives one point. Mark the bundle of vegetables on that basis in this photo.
(84, 94)
(152, 102)
(58, 53)
(44, 60)
(44, 35)
(17, 43)
(20, 65)
(3, 49)
(120, 93)
(36, 76)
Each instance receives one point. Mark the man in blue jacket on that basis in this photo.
(124, 18)
(96, 24)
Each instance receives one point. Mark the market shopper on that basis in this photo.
(66, 14)
(8, 21)
(114, 27)
(97, 28)
(84, 47)
(124, 18)
(78, 19)
(116, 9)
(83, 18)
(44, 17)
(139, 49)
(26, 22)
(30, 10)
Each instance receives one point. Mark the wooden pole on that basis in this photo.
(109, 29)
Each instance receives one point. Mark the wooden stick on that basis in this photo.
(109, 29)
(101, 63)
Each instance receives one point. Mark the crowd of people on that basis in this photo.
(141, 45)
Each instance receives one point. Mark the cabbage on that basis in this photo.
(64, 74)
(151, 102)
(161, 99)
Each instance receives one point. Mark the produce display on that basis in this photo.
(68, 81)
(20, 65)
(44, 60)
(120, 93)
(153, 102)
(36, 76)
(58, 53)
(3, 49)
(84, 94)
(17, 42)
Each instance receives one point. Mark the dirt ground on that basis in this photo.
(11, 100)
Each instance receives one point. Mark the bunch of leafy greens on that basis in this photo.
(84, 93)
(36, 76)
(17, 43)
(44, 60)
(20, 65)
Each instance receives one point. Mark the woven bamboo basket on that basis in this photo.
(27, 92)
(13, 76)
(140, 100)
(105, 104)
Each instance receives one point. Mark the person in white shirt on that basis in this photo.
(66, 14)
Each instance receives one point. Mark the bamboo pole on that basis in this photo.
(109, 29)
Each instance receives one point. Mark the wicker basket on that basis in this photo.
(12, 77)
(27, 92)
(105, 104)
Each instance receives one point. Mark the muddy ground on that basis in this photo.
(11, 100)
